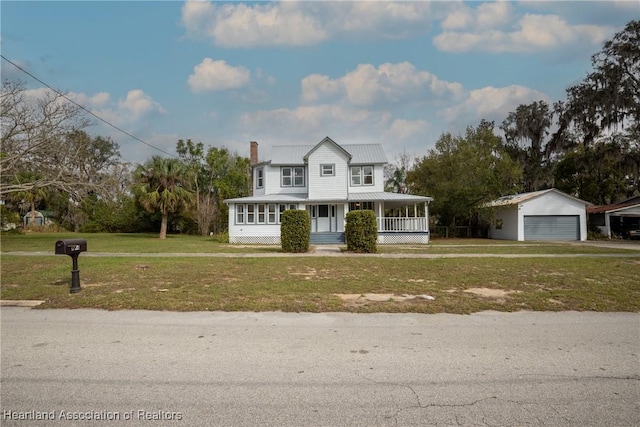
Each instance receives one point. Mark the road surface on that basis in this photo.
(144, 368)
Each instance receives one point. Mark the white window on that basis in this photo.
(360, 206)
(361, 175)
(259, 178)
(283, 208)
(251, 214)
(240, 214)
(292, 177)
(272, 214)
(327, 170)
(262, 213)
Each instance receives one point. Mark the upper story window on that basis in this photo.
(327, 170)
(292, 177)
(259, 177)
(361, 175)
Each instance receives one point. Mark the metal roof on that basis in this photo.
(615, 207)
(388, 197)
(361, 154)
(516, 199)
(271, 198)
(354, 197)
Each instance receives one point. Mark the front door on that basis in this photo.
(325, 218)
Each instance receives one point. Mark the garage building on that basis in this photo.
(539, 215)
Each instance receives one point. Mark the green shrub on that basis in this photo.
(361, 231)
(295, 231)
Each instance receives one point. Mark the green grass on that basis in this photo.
(149, 243)
(294, 283)
(309, 284)
(126, 243)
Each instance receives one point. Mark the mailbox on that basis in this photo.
(73, 248)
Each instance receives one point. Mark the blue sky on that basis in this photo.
(280, 73)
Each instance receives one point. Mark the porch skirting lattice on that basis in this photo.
(255, 240)
(383, 239)
(403, 238)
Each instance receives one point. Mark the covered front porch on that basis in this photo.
(401, 218)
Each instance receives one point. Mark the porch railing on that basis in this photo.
(393, 224)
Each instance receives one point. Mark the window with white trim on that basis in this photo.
(271, 217)
(361, 206)
(328, 170)
(292, 176)
(261, 213)
(240, 214)
(251, 214)
(283, 208)
(361, 175)
(259, 178)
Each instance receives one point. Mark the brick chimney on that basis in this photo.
(253, 160)
(254, 153)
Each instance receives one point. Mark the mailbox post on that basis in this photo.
(73, 248)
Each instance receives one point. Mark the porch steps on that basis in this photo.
(327, 238)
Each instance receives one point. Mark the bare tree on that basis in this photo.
(35, 126)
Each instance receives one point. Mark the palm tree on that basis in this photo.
(159, 186)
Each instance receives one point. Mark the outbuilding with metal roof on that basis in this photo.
(540, 215)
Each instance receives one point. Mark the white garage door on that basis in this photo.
(552, 227)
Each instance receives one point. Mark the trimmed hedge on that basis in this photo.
(295, 231)
(361, 231)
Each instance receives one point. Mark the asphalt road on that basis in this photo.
(137, 368)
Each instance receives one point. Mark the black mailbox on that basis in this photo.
(73, 248)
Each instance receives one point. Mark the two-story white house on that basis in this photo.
(327, 180)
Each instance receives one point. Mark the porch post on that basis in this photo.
(426, 218)
(379, 219)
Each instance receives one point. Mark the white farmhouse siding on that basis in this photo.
(378, 180)
(257, 189)
(541, 215)
(327, 193)
(505, 225)
(323, 186)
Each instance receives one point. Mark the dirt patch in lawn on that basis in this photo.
(359, 299)
(490, 293)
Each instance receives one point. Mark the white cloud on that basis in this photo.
(212, 75)
(317, 86)
(490, 103)
(486, 15)
(367, 85)
(137, 104)
(240, 25)
(402, 130)
(484, 29)
(98, 100)
(291, 23)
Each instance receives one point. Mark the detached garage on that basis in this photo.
(540, 215)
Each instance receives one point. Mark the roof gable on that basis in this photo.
(329, 141)
(516, 199)
(360, 154)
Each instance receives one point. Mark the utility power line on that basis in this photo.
(86, 109)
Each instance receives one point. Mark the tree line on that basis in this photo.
(586, 145)
(49, 162)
